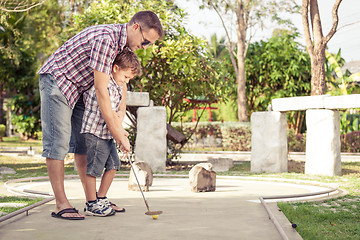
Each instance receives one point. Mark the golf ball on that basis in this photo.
(155, 216)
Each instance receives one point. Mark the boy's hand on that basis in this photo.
(124, 142)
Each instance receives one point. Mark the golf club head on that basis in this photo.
(153, 213)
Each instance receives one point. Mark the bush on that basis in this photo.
(2, 131)
(296, 142)
(350, 142)
(230, 136)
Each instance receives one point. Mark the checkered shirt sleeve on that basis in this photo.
(73, 64)
(93, 121)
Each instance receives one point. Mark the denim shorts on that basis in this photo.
(101, 154)
(60, 124)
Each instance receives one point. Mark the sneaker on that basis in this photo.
(98, 209)
(104, 201)
(107, 202)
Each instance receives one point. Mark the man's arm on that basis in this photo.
(122, 107)
(101, 81)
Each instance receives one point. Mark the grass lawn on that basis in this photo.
(331, 219)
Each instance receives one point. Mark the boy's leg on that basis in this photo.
(90, 186)
(56, 127)
(106, 181)
(112, 165)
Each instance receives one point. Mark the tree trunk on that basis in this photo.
(316, 42)
(241, 90)
(242, 16)
(318, 86)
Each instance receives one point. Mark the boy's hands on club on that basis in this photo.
(124, 143)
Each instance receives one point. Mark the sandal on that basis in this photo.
(112, 205)
(67, 210)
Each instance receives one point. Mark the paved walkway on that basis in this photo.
(233, 211)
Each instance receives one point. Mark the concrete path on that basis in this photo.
(233, 211)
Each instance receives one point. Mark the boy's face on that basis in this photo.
(122, 76)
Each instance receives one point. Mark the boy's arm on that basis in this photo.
(101, 81)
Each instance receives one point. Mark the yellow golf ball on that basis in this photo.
(155, 216)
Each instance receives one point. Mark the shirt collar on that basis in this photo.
(112, 80)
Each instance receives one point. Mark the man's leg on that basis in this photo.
(56, 128)
(78, 142)
(56, 175)
(81, 162)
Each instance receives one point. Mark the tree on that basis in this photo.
(19, 6)
(176, 67)
(25, 38)
(316, 42)
(249, 15)
(279, 67)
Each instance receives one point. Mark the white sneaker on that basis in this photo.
(99, 209)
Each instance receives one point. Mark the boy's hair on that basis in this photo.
(148, 20)
(128, 59)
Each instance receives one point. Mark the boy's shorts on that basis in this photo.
(101, 154)
(59, 122)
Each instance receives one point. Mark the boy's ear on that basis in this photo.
(115, 68)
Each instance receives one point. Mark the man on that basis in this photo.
(83, 61)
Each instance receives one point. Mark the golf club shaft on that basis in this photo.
(132, 167)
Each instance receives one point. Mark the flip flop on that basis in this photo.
(114, 205)
(67, 210)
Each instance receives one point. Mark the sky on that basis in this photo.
(204, 23)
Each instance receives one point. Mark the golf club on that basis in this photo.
(151, 213)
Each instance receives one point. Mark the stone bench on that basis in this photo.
(150, 143)
(269, 138)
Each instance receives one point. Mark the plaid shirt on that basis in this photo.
(93, 122)
(73, 63)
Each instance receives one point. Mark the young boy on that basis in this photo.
(101, 148)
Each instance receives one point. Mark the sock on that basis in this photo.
(101, 197)
(92, 201)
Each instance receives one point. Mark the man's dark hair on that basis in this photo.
(127, 59)
(148, 20)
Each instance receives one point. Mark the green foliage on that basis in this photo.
(174, 68)
(296, 142)
(350, 142)
(339, 83)
(274, 69)
(236, 139)
(349, 122)
(26, 41)
(2, 131)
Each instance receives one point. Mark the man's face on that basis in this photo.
(140, 38)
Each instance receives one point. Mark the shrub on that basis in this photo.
(2, 131)
(296, 142)
(350, 142)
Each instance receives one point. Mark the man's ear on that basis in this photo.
(135, 26)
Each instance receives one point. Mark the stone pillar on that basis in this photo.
(268, 142)
(323, 142)
(150, 143)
